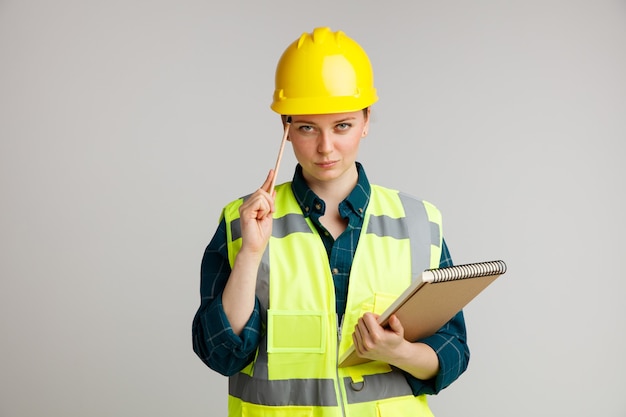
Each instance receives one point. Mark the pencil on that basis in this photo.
(280, 152)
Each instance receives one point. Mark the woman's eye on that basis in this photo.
(305, 129)
(343, 126)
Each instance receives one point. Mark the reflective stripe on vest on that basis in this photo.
(401, 237)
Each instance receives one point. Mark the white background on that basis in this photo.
(125, 126)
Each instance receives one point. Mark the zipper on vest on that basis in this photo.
(339, 380)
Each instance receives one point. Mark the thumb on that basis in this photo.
(396, 326)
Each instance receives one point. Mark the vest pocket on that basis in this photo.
(296, 331)
(404, 406)
(382, 301)
(254, 410)
(376, 303)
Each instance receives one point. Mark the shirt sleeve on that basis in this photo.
(214, 341)
(450, 344)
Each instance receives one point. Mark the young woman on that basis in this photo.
(296, 274)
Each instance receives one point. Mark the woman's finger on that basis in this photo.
(268, 182)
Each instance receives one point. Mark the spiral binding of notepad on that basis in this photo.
(475, 270)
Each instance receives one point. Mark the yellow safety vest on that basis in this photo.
(295, 370)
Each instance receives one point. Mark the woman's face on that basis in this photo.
(326, 145)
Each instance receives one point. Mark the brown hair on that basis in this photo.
(284, 116)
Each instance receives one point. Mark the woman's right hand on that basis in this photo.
(256, 218)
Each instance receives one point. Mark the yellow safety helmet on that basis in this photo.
(323, 72)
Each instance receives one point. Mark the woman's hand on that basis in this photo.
(374, 342)
(256, 218)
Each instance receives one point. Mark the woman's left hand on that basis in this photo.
(372, 341)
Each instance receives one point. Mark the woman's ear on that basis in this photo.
(366, 127)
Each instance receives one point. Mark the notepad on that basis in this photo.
(433, 299)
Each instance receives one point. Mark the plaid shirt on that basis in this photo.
(227, 353)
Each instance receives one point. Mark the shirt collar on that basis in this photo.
(309, 202)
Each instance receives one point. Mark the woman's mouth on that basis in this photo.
(326, 164)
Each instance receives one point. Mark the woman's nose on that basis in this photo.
(325, 144)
